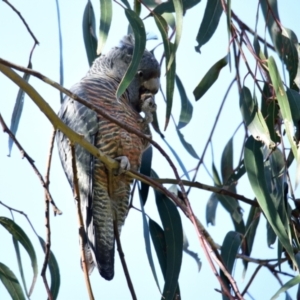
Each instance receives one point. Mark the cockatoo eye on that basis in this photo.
(140, 73)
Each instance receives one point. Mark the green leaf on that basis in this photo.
(284, 39)
(54, 271)
(61, 64)
(254, 119)
(232, 206)
(186, 112)
(296, 83)
(211, 208)
(210, 78)
(285, 111)
(89, 32)
(179, 18)
(292, 282)
(238, 174)
(137, 7)
(19, 259)
(138, 51)
(17, 112)
(210, 22)
(270, 112)
(294, 102)
(146, 170)
(216, 177)
(105, 22)
(11, 283)
(227, 161)
(169, 49)
(169, 17)
(171, 222)
(251, 226)
(168, 6)
(188, 147)
(17, 232)
(255, 170)
(158, 239)
(126, 3)
(229, 250)
(148, 244)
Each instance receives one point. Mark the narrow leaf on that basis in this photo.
(138, 51)
(253, 118)
(17, 232)
(19, 259)
(210, 22)
(284, 39)
(270, 112)
(188, 147)
(211, 208)
(229, 250)
(186, 112)
(146, 170)
(17, 112)
(179, 19)
(294, 102)
(174, 240)
(61, 64)
(292, 282)
(11, 283)
(168, 6)
(159, 242)
(250, 231)
(105, 22)
(89, 32)
(148, 244)
(227, 161)
(169, 48)
(54, 271)
(209, 78)
(285, 111)
(255, 171)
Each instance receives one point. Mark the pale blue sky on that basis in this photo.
(20, 188)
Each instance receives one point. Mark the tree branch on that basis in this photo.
(80, 223)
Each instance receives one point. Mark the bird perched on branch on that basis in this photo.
(104, 196)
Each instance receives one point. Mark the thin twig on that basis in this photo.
(251, 280)
(80, 222)
(211, 133)
(31, 162)
(47, 216)
(122, 258)
(214, 189)
(23, 20)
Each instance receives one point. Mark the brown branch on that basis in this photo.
(31, 162)
(47, 219)
(80, 222)
(244, 26)
(251, 280)
(23, 20)
(122, 258)
(210, 188)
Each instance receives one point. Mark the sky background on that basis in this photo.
(20, 188)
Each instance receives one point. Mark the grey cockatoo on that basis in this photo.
(99, 205)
